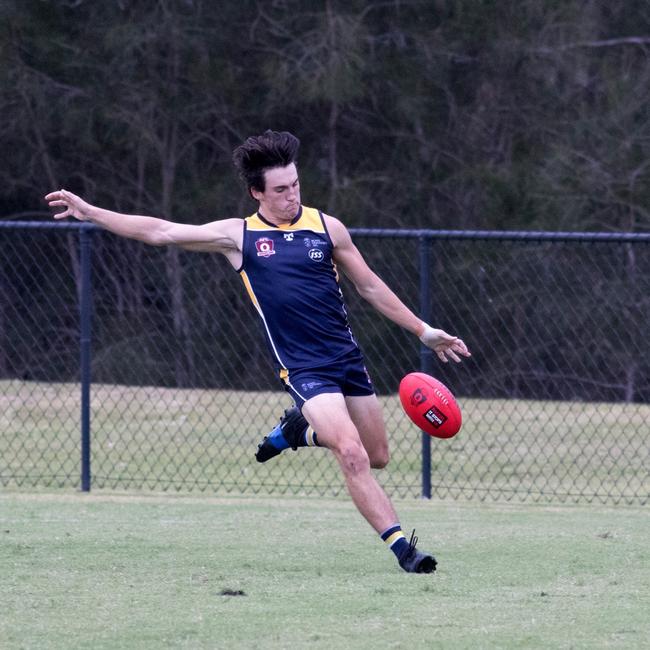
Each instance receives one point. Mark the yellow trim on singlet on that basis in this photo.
(249, 288)
(309, 220)
(253, 298)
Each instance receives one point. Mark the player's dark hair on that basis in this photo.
(262, 152)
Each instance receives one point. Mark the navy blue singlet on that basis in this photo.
(292, 280)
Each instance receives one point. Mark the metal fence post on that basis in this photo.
(85, 315)
(425, 358)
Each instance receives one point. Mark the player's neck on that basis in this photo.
(277, 219)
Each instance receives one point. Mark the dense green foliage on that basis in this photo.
(423, 113)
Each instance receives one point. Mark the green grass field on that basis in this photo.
(148, 572)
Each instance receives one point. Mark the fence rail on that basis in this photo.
(555, 398)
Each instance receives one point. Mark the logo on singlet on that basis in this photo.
(264, 247)
(313, 242)
(315, 254)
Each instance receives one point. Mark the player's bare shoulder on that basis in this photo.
(222, 236)
(229, 233)
(346, 255)
(337, 231)
(225, 236)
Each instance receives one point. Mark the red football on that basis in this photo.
(430, 404)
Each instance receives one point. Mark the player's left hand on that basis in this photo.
(444, 345)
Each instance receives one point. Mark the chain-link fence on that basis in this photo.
(556, 398)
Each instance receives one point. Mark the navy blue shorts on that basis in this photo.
(347, 376)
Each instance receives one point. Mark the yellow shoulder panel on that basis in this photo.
(309, 220)
(255, 223)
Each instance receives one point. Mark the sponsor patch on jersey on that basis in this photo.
(315, 254)
(264, 247)
(307, 241)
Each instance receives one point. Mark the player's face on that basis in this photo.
(280, 200)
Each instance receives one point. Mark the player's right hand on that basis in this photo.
(444, 345)
(74, 205)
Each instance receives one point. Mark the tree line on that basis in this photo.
(520, 114)
(452, 114)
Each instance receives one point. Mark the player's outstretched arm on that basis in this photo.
(147, 229)
(218, 236)
(371, 287)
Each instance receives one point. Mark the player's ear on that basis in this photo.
(256, 194)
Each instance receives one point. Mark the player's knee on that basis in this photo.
(353, 458)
